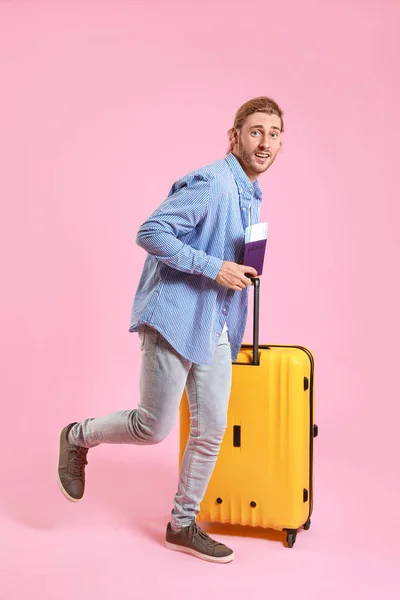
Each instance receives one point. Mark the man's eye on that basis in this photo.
(254, 132)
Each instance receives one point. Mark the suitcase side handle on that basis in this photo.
(256, 319)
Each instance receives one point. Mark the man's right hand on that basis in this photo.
(233, 275)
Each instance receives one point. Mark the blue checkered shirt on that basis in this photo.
(199, 225)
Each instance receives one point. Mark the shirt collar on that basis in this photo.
(242, 180)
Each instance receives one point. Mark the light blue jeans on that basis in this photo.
(164, 375)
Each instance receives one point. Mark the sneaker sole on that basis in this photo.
(186, 550)
(60, 485)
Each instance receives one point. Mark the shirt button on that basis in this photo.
(224, 311)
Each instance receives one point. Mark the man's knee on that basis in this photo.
(150, 432)
(211, 438)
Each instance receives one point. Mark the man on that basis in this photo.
(190, 310)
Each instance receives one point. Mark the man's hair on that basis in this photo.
(260, 104)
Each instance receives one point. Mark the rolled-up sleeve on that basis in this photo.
(180, 213)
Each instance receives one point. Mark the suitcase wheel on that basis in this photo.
(307, 524)
(290, 537)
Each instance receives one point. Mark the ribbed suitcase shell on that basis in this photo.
(267, 480)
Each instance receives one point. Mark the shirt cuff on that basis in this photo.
(213, 267)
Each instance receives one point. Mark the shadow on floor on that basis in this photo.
(132, 489)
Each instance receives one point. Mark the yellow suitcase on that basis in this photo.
(264, 473)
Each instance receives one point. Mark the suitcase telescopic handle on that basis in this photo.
(256, 318)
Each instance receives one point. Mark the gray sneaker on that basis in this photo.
(71, 467)
(195, 541)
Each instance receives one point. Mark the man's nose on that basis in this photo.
(264, 144)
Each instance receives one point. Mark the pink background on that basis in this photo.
(102, 106)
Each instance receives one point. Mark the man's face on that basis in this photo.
(257, 144)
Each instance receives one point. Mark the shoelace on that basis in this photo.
(77, 461)
(196, 531)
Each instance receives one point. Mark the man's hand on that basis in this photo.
(233, 275)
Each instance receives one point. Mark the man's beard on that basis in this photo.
(249, 161)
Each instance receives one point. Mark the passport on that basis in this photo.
(254, 254)
(255, 246)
